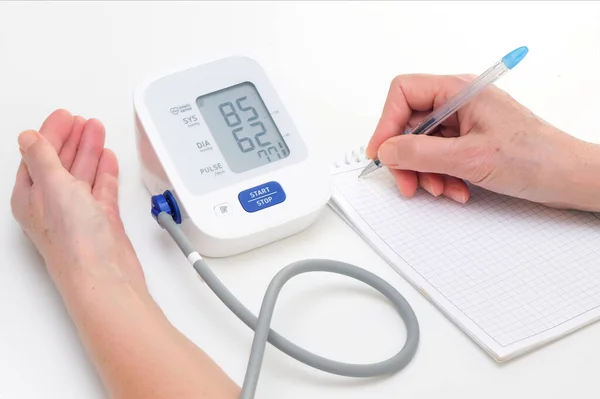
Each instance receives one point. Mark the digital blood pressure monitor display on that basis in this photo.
(219, 137)
(242, 127)
(222, 123)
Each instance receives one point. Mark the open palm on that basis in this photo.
(66, 200)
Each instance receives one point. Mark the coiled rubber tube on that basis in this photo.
(261, 325)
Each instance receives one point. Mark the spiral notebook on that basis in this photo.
(513, 275)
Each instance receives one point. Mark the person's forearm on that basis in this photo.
(137, 352)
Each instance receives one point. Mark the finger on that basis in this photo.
(410, 93)
(443, 155)
(106, 187)
(415, 118)
(456, 189)
(432, 183)
(419, 116)
(108, 165)
(440, 131)
(69, 149)
(406, 181)
(40, 156)
(57, 128)
(448, 131)
(89, 151)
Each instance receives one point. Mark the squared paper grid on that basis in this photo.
(516, 270)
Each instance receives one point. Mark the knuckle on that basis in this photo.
(416, 146)
(34, 151)
(476, 161)
(62, 112)
(400, 80)
(405, 145)
(397, 81)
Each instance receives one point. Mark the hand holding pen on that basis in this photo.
(480, 135)
(439, 115)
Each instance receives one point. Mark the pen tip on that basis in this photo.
(514, 57)
(369, 168)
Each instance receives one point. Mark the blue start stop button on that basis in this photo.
(261, 197)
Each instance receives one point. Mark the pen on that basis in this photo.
(427, 125)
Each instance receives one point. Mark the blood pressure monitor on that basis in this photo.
(218, 137)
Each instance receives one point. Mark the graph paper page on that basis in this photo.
(512, 274)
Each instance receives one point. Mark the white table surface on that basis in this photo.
(332, 64)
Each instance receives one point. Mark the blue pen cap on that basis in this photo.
(514, 57)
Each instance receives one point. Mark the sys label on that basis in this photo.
(261, 197)
(191, 120)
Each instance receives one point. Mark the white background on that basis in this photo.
(332, 64)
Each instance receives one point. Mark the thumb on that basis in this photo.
(429, 154)
(39, 155)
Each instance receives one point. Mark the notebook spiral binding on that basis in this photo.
(354, 157)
